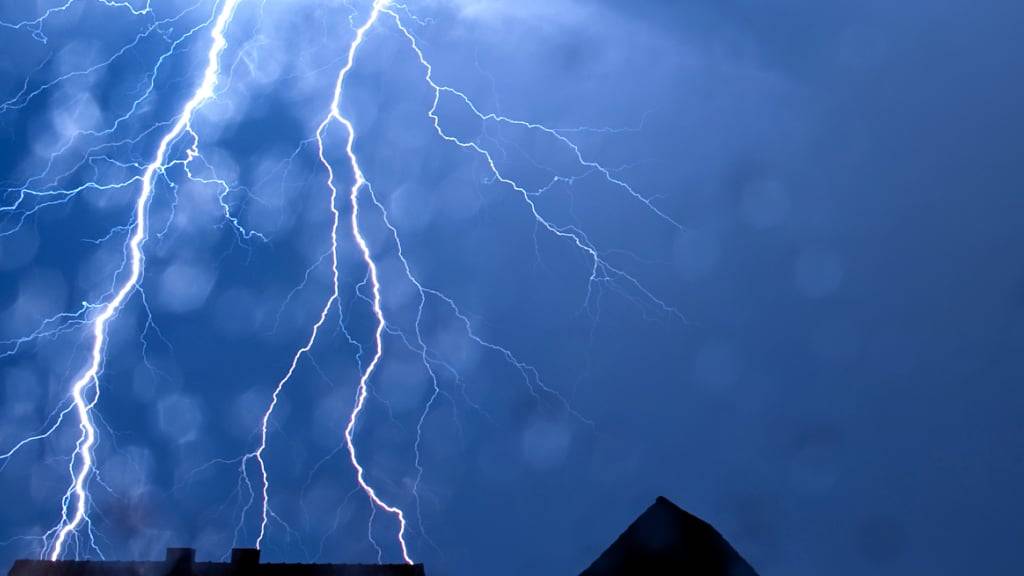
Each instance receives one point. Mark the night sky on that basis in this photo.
(818, 348)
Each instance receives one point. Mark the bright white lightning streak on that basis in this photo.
(359, 180)
(83, 407)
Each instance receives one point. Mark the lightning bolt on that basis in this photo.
(357, 184)
(602, 271)
(359, 180)
(77, 495)
(45, 190)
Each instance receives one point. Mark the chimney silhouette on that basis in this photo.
(179, 561)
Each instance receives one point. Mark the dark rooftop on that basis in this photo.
(181, 562)
(663, 541)
(667, 540)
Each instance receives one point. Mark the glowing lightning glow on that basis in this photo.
(359, 181)
(83, 407)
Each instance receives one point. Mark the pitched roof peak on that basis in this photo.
(665, 539)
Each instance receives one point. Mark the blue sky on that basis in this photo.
(838, 392)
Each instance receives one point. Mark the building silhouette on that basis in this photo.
(664, 541)
(182, 562)
(669, 541)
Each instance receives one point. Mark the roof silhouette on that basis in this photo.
(667, 540)
(663, 541)
(181, 562)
